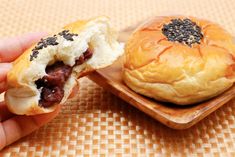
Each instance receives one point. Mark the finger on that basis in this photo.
(11, 48)
(4, 68)
(20, 126)
(4, 112)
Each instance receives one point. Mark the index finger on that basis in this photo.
(11, 48)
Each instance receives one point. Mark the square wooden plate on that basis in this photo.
(177, 117)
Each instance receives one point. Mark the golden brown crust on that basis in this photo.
(177, 70)
(149, 38)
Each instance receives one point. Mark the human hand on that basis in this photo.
(14, 127)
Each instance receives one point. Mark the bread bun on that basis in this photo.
(177, 59)
(77, 49)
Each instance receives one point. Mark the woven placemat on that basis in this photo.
(95, 122)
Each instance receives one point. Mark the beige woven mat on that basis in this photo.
(98, 123)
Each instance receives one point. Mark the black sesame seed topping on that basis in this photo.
(184, 31)
(51, 41)
(33, 55)
(67, 35)
(43, 43)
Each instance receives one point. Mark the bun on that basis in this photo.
(54, 64)
(170, 65)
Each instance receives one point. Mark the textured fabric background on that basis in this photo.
(96, 123)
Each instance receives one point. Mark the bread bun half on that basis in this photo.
(45, 74)
(178, 59)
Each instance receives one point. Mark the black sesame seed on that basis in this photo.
(38, 47)
(33, 55)
(183, 31)
(63, 32)
(68, 36)
(43, 43)
(51, 41)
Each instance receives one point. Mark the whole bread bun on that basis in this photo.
(45, 74)
(177, 59)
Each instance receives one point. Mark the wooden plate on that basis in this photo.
(177, 117)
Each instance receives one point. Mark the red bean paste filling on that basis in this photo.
(183, 31)
(52, 84)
